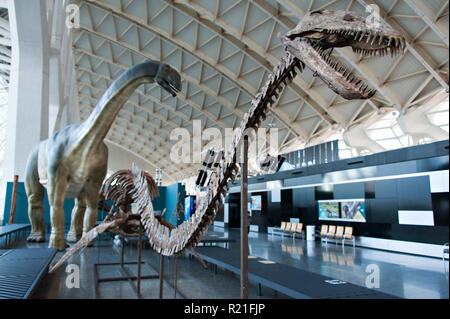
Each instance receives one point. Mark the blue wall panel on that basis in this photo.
(21, 216)
(171, 202)
(167, 198)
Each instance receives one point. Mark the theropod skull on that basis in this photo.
(314, 38)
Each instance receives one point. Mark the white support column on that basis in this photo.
(55, 92)
(417, 124)
(28, 90)
(357, 137)
(66, 110)
(56, 98)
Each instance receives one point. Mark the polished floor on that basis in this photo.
(402, 275)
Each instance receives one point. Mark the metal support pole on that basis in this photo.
(122, 251)
(175, 279)
(12, 211)
(244, 219)
(138, 289)
(161, 276)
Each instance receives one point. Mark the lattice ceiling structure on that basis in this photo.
(224, 50)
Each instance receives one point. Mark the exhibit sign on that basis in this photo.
(256, 203)
(345, 210)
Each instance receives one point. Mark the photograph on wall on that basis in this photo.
(256, 203)
(353, 210)
(328, 209)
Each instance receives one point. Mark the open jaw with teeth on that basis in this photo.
(313, 41)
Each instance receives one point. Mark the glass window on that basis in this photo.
(438, 115)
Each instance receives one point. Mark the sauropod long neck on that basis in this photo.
(94, 129)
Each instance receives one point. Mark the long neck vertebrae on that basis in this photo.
(189, 234)
(94, 129)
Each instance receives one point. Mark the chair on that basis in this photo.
(339, 235)
(292, 229)
(299, 230)
(323, 232)
(331, 232)
(288, 227)
(283, 226)
(348, 236)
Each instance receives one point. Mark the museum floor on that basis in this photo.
(401, 275)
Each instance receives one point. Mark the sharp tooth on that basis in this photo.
(373, 40)
(390, 41)
(362, 36)
(368, 38)
(381, 40)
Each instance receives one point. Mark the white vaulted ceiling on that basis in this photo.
(224, 50)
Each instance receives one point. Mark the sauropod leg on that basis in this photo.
(35, 194)
(76, 223)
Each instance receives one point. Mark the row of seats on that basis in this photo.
(292, 228)
(337, 233)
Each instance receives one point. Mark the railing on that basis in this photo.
(313, 155)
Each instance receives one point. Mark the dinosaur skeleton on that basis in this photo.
(309, 44)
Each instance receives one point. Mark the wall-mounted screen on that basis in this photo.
(353, 210)
(256, 203)
(328, 210)
(346, 210)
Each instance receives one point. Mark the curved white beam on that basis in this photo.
(424, 11)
